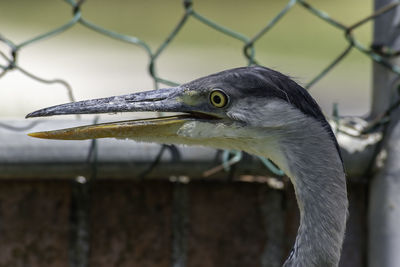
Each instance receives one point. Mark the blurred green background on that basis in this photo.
(300, 45)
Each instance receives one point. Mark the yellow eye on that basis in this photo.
(218, 99)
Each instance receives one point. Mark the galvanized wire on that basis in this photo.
(81, 198)
(380, 54)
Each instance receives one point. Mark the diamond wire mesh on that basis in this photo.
(382, 55)
(378, 54)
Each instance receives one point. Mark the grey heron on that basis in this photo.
(254, 109)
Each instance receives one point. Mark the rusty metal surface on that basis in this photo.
(34, 223)
(131, 224)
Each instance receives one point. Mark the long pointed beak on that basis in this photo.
(163, 100)
(155, 129)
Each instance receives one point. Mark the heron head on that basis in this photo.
(224, 110)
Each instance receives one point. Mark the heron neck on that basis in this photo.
(316, 172)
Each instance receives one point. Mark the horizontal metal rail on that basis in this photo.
(25, 157)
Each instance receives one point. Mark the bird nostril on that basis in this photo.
(131, 99)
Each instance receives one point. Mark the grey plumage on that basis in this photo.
(257, 110)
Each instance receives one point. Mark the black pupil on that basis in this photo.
(217, 99)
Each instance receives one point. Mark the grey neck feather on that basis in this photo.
(305, 150)
(320, 188)
(316, 171)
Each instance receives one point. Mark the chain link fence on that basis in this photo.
(377, 53)
(79, 244)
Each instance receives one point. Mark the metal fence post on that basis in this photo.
(384, 198)
(180, 222)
